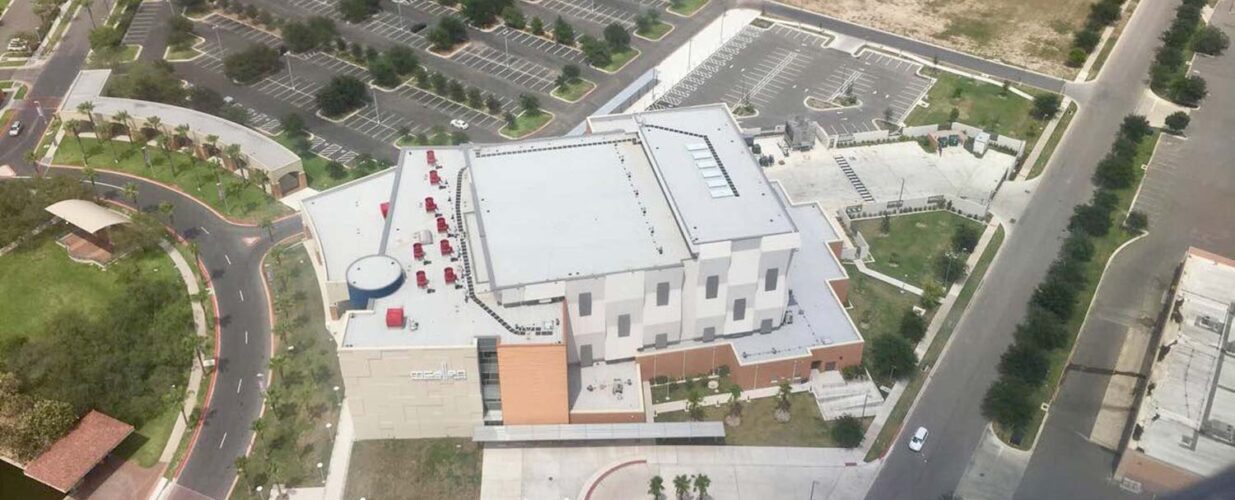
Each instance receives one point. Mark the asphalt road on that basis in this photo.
(949, 405)
(1187, 194)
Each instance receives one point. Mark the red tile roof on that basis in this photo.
(73, 456)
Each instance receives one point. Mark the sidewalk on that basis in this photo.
(887, 279)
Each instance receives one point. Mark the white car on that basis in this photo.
(918, 439)
(15, 130)
(459, 124)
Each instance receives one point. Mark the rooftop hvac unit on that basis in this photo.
(431, 157)
(385, 207)
(441, 225)
(445, 248)
(418, 251)
(422, 280)
(434, 178)
(423, 236)
(430, 205)
(1220, 430)
(395, 318)
(449, 275)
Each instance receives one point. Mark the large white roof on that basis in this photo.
(87, 215)
(568, 208)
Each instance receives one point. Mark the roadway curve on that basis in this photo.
(949, 404)
(232, 255)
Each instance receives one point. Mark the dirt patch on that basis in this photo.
(1035, 34)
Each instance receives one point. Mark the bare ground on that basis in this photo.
(1034, 34)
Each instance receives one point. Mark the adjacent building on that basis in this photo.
(1185, 426)
(543, 281)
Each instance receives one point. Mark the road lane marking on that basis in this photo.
(238, 384)
(228, 259)
(241, 295)
(224, 440)
(246, 337)
(204, 230)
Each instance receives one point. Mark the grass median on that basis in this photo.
(1052, 142)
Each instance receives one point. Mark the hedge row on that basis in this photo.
(1084, 41)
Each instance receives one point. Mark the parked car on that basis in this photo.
(918, 439)
(416, 28)
(15, 129)
(459, 124)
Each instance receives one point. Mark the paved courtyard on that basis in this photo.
(888, 172)
(778, 68)
(622, 472)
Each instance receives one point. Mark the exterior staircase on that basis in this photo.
(837, 397)
(853, 178)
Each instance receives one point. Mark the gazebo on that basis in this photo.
(66, 463)
(90, 239)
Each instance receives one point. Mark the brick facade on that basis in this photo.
(702, 360)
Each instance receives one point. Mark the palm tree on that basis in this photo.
(268, 225)
(782, 402)
(656, 488)
(74, 127)
(195, 249)
(90, 174)
(702, 481)
(681, 486)
(124, 119)
(154, 123)
(261, 178)
(734, 418)
(281, 329)
(277, 363)
(130, 191)
(694, 408)
(212, 140)
(168, 210)
(232, 152)
(33, 159)
(105, 134)
(87, 108)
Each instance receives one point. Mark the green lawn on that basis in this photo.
(181, 55)
(39, 280)
(678, 389)
(1104, 248)
(292, 436)
(315, 170)
(415, 469)
(572, 92)
(9, 85)
(1053, 141)
(127, 53)
(15, 485)
(910, 250)
(877, 306)
(249, 202)
(806, 428)
(146, 444)
(526, 124)
(687, 7)
(657, 31)
(442, 139)
(980, 104)
(933, 352)
(620, 60)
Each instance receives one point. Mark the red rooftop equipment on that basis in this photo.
(441, 225)
(434, 178)
(418, 251)
(422, 280)
(385, 209)
(450, 275)
(430, 205)
(430, 157)
(394, 317)
(445, 247)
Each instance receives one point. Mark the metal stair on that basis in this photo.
(853, 178)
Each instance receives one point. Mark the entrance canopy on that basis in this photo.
(86, 215)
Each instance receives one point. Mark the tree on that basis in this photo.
(251, 64)
(570, 74)
(563, 32)
(1137, 221)
(403, 59)
(384, 73)
(1025, 362)
(681, 486)
(1135, 127)
(1190, 90)
(1210, 40)
(694, 408)
(130, 192)
(965, 238)
(122, 117)
(74, 127)
(885, 224)
(343, 94)
(105, 39)
(1045, 106)
(511, 120)
(932, 294)
(950, 267)
(656, 487)
(168, 210)
(457, 92)
(702, 482)
(449, 32)
(734, 418)
(1178, 121)
(513, 18)
(356, 11)
(890, 356)
(913, 326)
(537, 26)
(646, 21)
(90, 174)
(617, 37)
(493, 105)
(1086, 39)
(1056, 295)
(596, 52)
(1092, 219)
(292, 124)
(847, 431)
(782, 402)
(1007, 403)
(314, 33)
(530, 104)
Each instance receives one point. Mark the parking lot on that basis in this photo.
(148, 13)
(777, 69)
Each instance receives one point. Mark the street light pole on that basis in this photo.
(402, 20)
(219, 40)
(377, 110)
(320, 473)
(290, 76)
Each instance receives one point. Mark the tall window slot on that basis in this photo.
(624, 325)
(585, 304)
(769, 279)
(662, 294)
(739, 309)
(712, 288)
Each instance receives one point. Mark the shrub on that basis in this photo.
(913, 327)
(1190, 90)
(342, 95)
(1137, 221)
(251, 64)
(847, 431)
(1007, 403)
(1076, 57)
(1025, 362)
(1210, 40)
(1045, 106)
(890, 356)
(1086, 39)
(853, 372)
(1178, 121)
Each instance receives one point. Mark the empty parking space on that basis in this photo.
(589, 10)
(451, 108)
(521, 72)
(777, 69)
(541, 44)
(429, 6)
(1157, 192)
(143, 22)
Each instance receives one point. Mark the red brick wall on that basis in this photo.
(836, 247)
(534, 389)
(841, 287)
(705, 359)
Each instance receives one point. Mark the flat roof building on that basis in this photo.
(1185, 426)
(542, 282)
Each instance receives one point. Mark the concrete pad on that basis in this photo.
(995, 470)
(1113, 416)
(1155, 109)
(845, 43)
(7, 171)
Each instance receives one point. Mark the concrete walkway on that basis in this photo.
(199, 326)
(887, 279)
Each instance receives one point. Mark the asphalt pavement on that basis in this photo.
(949, 404)
(1187, 195)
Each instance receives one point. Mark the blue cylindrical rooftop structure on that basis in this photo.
(372, 277)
